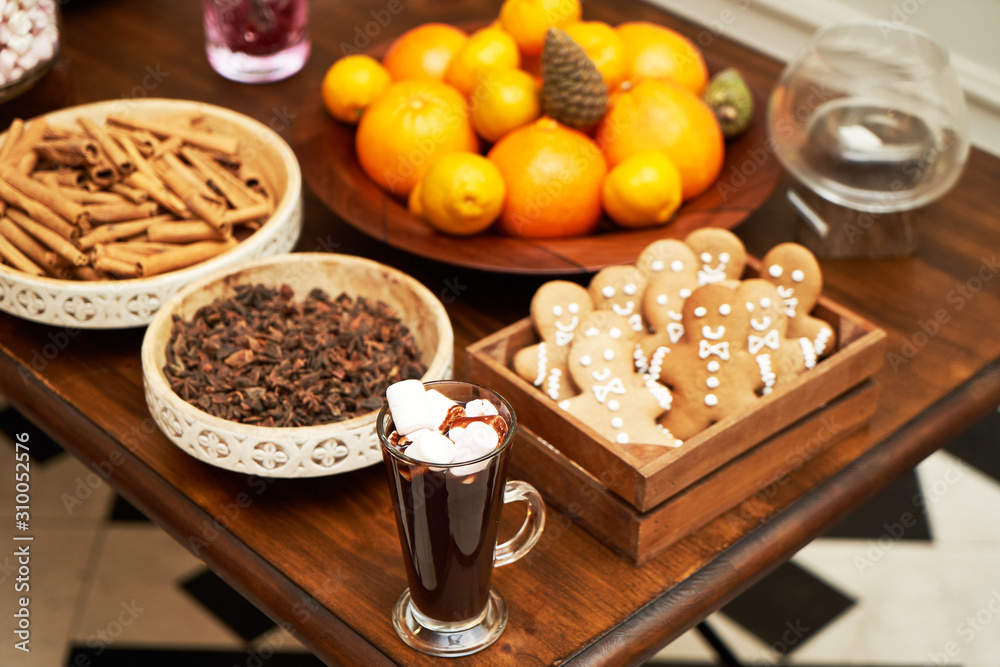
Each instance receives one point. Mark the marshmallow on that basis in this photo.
(432, 447)
(480, 435)
(409, 407)
(19, 43)
(480, 408)
(457, 434)
(438, 406)
(470, 451)
(20, 23)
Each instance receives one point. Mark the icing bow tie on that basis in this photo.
(770, 340)
(616, 386)
(721, 350)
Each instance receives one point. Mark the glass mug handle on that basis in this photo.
(531, 529)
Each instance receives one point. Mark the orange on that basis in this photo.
(504, 100)
(655, 52)
(486, 49)
(553, 176)
(462, 193)
(662, 115)
(407, 127)
(528, 20)
(603, 46)
(643, 190)
(351, 84)
(423, 52)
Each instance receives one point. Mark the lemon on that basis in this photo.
(489, 48)
(643, 190)
(503, 100)
(351, 84)
(462, 193)
(415, 200)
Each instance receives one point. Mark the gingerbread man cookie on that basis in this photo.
(720, 253)
(711, 375)
(619, 289)
(662, 304)
(666, 255)
(557, 309)
(614, 401)
(796, 273)
(778, 357)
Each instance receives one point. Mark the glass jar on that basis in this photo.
(29, 43)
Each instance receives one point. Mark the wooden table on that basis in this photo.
(321, 556)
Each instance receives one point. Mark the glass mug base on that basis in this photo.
(449, 640)
(246, 68)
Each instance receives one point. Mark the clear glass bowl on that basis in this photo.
(29, 44)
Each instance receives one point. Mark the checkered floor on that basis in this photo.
(912, 578)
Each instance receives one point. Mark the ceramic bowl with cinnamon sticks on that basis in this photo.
(107, 209)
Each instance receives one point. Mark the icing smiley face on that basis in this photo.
(720, 254)
(716, 313)
(620, 289)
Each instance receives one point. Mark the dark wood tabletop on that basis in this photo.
(321, 556)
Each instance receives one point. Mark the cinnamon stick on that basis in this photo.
(182, 232)
(116, 267)
(119, 212)
(43, 194)
(237, 216)
(121, 160)
(17, 259)
(231, 187)
(158, 193)
(183, 256)
(214, 142)
(53, 241)
(44, 258)
(37, 210)
(118, 230)
(32, 135)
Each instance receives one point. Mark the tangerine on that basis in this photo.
(351, 84)
(656, 52)
(462, 193)
(643, 190)
(424, 52)
(486, 49)
(528, 20)
(603, 46)
(407, 127)
(553, 176)
(504, 100)
(662, 115)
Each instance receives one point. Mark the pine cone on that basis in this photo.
(573, 90)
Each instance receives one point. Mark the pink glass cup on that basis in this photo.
(256, 41)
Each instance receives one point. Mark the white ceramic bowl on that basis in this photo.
(307, 451)
(131, 303)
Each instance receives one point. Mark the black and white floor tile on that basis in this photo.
(911, 579)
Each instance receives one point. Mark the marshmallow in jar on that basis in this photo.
(29, 38)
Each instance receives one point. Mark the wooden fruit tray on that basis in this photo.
(647, 504)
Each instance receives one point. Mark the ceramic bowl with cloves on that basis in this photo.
(278, 367)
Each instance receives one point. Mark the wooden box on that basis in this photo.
(646, 505)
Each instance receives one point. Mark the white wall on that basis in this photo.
(969, 29)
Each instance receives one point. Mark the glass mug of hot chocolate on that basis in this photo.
(446, 446)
